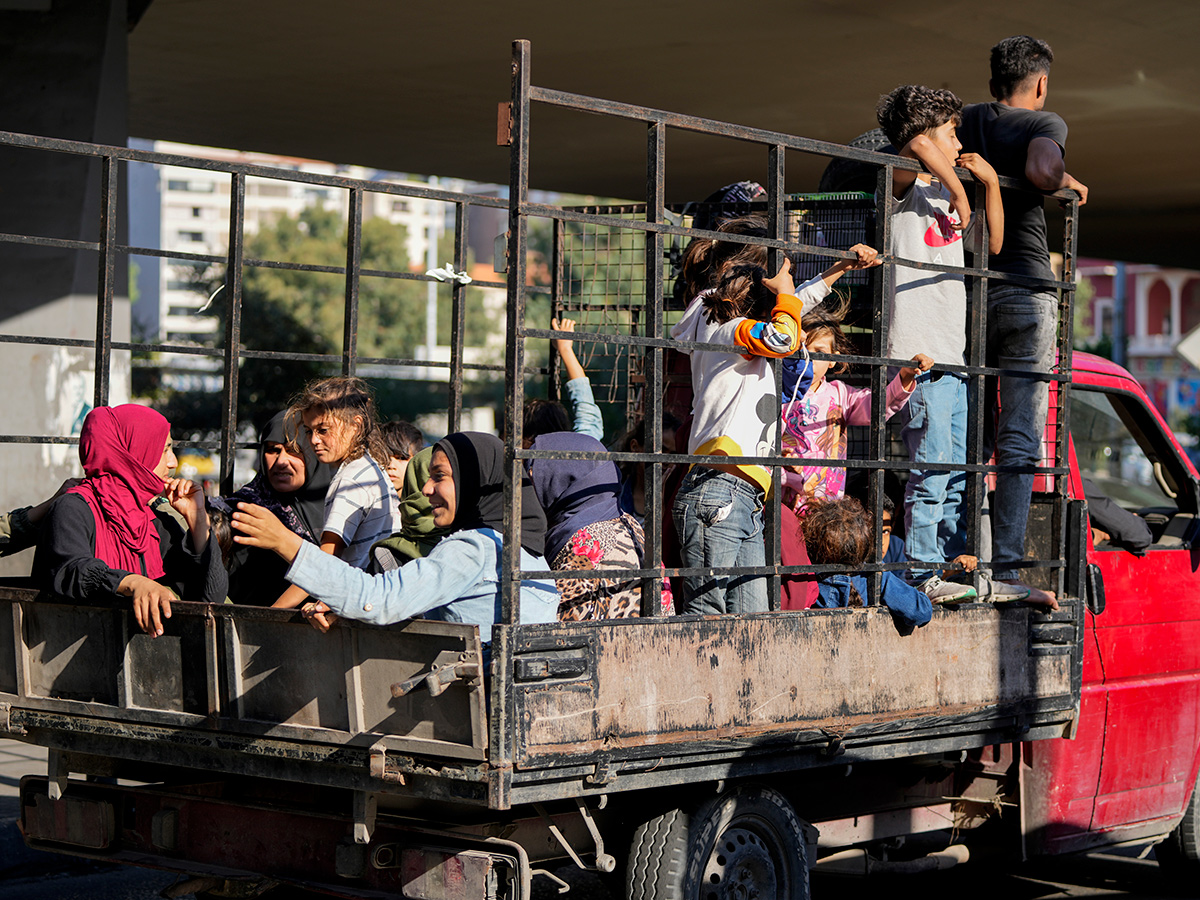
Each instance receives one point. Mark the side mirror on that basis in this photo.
(1095, 589)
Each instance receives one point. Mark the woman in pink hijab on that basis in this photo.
(102, 539)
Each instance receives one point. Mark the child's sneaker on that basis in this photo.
(1003, 592)
(939, 591)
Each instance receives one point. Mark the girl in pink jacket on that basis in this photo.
(814, 425)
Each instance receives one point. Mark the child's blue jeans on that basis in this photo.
(934, 428)
(718, 517)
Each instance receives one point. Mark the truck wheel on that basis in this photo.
(747, 842)
(1179, 854)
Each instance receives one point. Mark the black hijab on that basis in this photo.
(477, 461)
(302, 511)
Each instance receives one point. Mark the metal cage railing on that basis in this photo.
(642, 232)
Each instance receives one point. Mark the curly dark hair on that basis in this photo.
(837, 532)
(914, 109)
(351, 402)
(1014, 59)
(733, 271)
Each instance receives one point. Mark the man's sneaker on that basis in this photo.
(1003, 592)
(939, 591)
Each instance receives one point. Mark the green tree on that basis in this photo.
(304, 312)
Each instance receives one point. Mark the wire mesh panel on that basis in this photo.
(601, 284)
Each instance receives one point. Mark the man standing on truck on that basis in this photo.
(1021, 140)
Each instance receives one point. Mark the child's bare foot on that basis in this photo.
(1035, 596)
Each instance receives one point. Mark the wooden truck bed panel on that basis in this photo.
(625, 685)
(247, 671)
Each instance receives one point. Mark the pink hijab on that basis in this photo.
(119, 448)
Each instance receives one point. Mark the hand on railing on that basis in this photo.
(319, 616)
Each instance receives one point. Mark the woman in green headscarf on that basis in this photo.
(418, 535)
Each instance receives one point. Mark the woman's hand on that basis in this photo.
(151, 602)
(187, 499)
(319, 615)
(908, 375)
(259, 527)
(782, 283)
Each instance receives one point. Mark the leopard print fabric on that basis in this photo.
(612, 544)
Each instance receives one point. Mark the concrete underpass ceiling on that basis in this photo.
(413, 87)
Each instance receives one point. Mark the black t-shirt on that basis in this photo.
(1001, 135)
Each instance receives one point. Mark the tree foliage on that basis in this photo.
(301, 311)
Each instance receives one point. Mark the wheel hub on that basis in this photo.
(740, 868)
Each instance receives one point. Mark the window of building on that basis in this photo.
(194, 236)
(197, 212)
(196, 187)
(267, 189)
(1158, 308)
(1189, 306)
(1102, 313)
(399, 206)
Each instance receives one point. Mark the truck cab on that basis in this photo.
(1130, 770)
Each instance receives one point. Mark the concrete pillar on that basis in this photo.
(63, 74)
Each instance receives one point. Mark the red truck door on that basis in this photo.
(1142, 654)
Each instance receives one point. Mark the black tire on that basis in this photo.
(1179, 854)
(849, 175)
(747, 842)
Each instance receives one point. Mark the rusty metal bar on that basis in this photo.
(233, 328)
(79, 148)
(652, 405)
(353, 265)
(1065, 343)
(557, 295)
(884, 282)
(772, 512)
(977, 405)
(514, 393)
(458, 319)
(105, 279)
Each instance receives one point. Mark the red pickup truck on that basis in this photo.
(1130, 772)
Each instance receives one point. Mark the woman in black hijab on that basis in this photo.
(460, 580)
(291, 484)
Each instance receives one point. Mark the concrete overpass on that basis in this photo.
(414, 87)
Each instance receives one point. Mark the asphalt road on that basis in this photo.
(1112, 874)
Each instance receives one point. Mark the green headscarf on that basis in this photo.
(418, 535)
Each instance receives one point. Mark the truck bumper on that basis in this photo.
(200, 836)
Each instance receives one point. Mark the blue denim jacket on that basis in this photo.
(909, 607)
(584, 411)
(459, 581)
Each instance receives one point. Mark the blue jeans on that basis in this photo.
(718, 517)
(934, 428)
(1022, 331)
